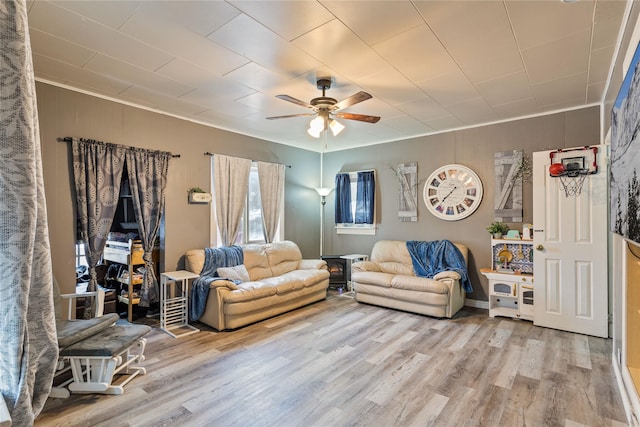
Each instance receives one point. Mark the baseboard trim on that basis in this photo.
(624, 393)
(475, 303)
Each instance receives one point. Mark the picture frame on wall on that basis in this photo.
(625, 156)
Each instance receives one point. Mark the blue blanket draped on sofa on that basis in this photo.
(431, 258)
(214, 258)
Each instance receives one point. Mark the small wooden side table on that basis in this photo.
(174, 307)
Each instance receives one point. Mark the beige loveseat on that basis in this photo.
(279, 280)
(388, 279)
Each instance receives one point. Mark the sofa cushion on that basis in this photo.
(422, 284)
(248, 291)
(256, 262)
(284, 284)
(239, 272)
(393, 257)
(307, 277)
(194, 260)
(430, 298)
(373, 278)
(283, 257)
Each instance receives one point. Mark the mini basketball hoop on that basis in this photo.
(572, 168)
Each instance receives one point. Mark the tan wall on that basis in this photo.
(474, 148)
(67, 113)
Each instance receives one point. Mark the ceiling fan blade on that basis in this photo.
(294, 100)
(359, 117)
(352, 100)
(290, 115)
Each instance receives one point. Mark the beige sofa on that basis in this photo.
(388, 279)
(279, 281)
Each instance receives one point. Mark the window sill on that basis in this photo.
(369, 230)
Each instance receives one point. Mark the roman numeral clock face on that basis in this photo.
(452, 192)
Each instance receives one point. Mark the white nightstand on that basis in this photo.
(174, 305)
(350, 260)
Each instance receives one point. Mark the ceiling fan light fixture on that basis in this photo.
(317, 124)
(314, 132)
(336, 127)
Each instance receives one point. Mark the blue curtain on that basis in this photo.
(343, 199)
(365, 197)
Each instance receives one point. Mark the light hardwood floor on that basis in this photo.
(340, 363)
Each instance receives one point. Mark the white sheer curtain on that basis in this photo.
(231, 181)
(28, 332)
(271, 179)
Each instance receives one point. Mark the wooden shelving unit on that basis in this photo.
(129, 254)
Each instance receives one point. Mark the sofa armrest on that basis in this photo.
(223, 283)
(365, 266)
(447, 275)
(312, 264)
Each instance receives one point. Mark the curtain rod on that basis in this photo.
(208, 153)
(69, 139)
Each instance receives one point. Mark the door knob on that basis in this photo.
(539, 247)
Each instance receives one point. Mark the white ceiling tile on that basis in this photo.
(408, 125)
(599, 64)
(47, 17)
(446, 122)
(506, 89)
(190, 75)
(424, 110)
(333, 43)
(107, 12)
(478, 36)
(538, 23)
(464, 53)
(524, 107)
(162, 101)
(594, 92)
(564, 92)
(392, 87)
(254, 41)
(472, 111)
(607, 23)
(557, 59)
(393, 18)
(449, 89)
(154, 28)
(201, 17)
(60, 50)
(256, 77)
(417, 54)
(289, 19)
(127, 72)
(77, 77)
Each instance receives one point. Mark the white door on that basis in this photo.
(570, 250)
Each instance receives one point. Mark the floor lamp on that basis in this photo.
(323, 192)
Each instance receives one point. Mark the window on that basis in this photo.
(251, 230)
(81, 258)
(355, 203)
(251, 224)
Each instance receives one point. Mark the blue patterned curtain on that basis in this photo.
(343, 199)
(28, 328)
(365, 197)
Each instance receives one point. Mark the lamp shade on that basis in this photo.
(323, 191)
(336, 127)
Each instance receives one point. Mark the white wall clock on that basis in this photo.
(452, 192)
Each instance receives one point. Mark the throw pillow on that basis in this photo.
(239, 272)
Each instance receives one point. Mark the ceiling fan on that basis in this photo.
(326, 108)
